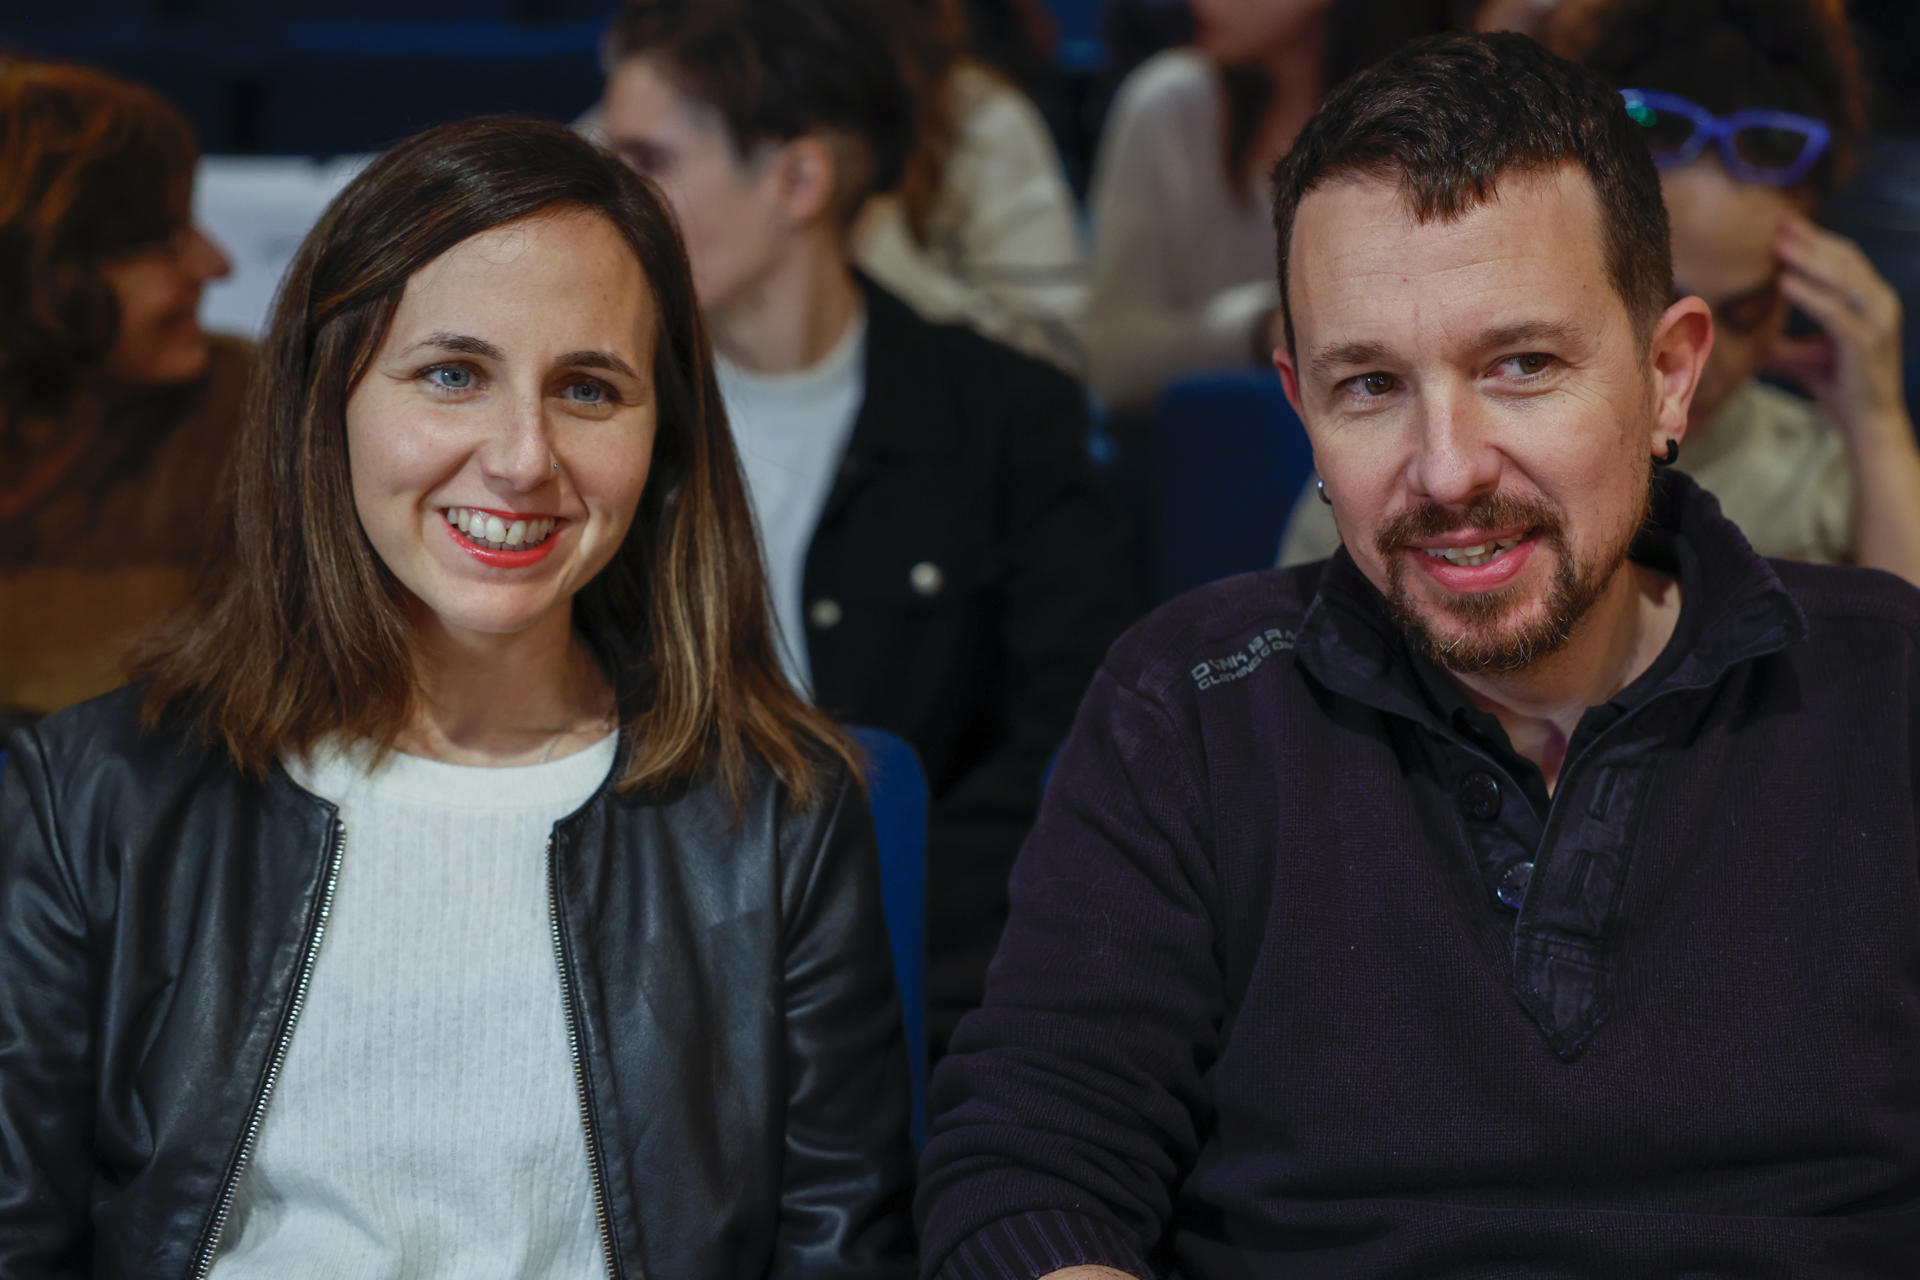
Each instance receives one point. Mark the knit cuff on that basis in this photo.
(1029, 1245)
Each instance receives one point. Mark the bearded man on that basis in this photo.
(1530, 889)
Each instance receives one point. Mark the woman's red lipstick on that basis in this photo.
(512, 558)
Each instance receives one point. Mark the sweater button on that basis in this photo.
(824, 614)
(1480, 796)
(1513, 886)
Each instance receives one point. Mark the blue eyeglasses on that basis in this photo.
(1775, 148)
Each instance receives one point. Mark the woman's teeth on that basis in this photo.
(492, 532)
(1478, 554)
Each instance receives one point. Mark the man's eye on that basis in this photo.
(1375, 384)
(1530, 365)
(450, 377)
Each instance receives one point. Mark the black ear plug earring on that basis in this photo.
(1673, 455)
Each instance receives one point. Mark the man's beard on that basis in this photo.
(1480, 645)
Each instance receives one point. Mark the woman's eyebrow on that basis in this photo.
(463, 343)
(467, 344)
(596, 360)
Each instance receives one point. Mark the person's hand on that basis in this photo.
(1852, 366)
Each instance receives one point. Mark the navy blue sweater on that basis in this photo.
(1278, 996)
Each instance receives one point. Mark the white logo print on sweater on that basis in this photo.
(1241, 663)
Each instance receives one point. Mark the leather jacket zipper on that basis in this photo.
(210, 1243)
(594, 1172)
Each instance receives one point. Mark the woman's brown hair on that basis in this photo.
(1354, 35)
(932, 35)
(91, 169)
(296, 632)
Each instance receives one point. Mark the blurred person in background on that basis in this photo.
(463, 890)
(941, 558)
(1528, 17)
(1183, 247)
(1879, 208)
(1752, 108)
(116, 409)
(982, 227)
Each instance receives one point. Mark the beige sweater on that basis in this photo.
(1003, 250)
(1183, 266)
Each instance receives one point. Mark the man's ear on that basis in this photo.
(806, 172)
(1677, 354)
(1289, 379)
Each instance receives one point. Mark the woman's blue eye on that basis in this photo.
(587, 393)
(451, 377)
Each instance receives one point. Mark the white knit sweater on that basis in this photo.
(425, 1122)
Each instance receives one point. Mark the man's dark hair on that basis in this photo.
(1733, 55)
(1448, 118)
(779, 69)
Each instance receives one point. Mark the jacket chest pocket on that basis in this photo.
(906, 547)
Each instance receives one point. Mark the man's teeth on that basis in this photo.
(500, 535)
(1476, 555)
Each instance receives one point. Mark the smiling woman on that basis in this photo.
(464, 868)
(463, 444)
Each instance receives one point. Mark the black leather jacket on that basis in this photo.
(739, 1057)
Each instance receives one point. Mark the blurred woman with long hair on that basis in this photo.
(982, 228)
(1183, 262)
(117, 411)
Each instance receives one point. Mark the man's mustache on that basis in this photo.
(1489, 511)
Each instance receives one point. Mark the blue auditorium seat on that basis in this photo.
(1078, 24)
(897, 789)
(254, 14)
(26, 14)
(335, 88)
(198, 69)
(600, 11)
(1228, 457)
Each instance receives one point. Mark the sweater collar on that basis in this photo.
(1350, 642)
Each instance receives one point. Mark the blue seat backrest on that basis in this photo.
(1077, 23)
(1228, 458)
(897, 789)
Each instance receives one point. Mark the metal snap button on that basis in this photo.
(1513, 886)
(927, 578)
(825, 614)
(1480, 796)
